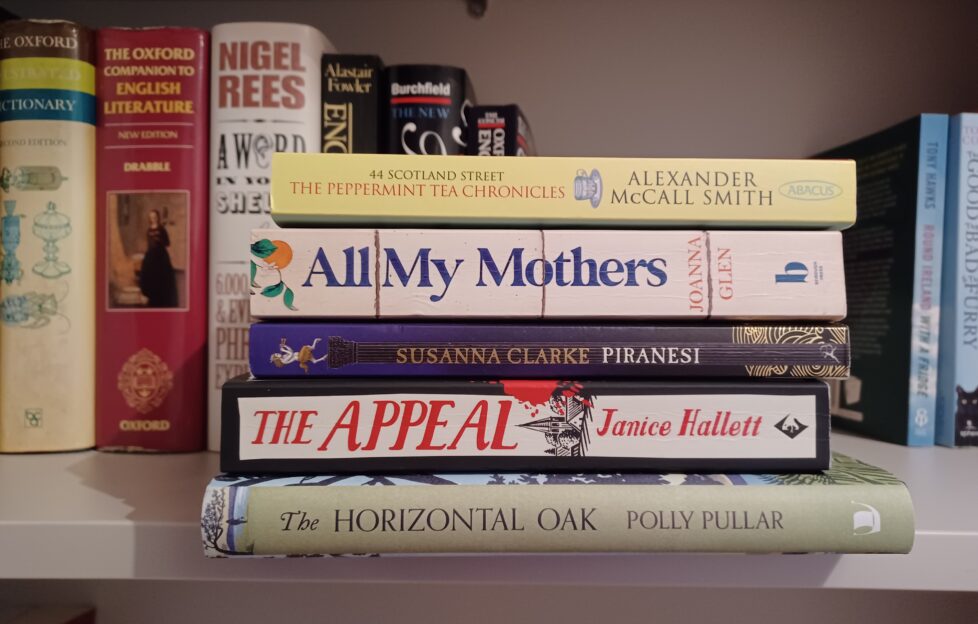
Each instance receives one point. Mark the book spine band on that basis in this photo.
(339, 350)
(311, 520)
(362, 189)
(343, 426)
(547, 274)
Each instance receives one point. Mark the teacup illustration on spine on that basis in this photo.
(273, 256)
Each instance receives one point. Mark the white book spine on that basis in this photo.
(647, 274)
(265, 97)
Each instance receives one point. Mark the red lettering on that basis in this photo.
(433, 422)
(261, 427)
(501, 422)
(407, 422)
(303, 425)
(353, 411)
(380, 408)
(481, 410)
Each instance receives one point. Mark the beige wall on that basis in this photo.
(752, 78)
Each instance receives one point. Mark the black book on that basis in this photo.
(420, 425)
(500, 130)
(426, 108)
(351, 103)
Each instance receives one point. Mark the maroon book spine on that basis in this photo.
(152, 206)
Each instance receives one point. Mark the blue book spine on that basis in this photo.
(957, 415)
(926, 312)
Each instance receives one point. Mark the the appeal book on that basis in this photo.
(639, 274)
(851, 508)
(331, 349)
(893, 281)
(47, 275)
(418, 425)
(152, 183)
(579, 192)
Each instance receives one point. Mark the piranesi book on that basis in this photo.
(331, 349)
(851, 508)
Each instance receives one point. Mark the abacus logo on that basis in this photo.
(588, 187)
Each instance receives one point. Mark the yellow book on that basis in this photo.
(47, 274)
(508, 191)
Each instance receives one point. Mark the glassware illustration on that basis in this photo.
(31, 178)
(11, 270)
(51, 226)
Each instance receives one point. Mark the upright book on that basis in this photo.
(352, 104)
(508, 191)
(499, 131)
(851, 508)
(639, 274)
(893, 281)
(957, 408)
(421, 425)
(426, 108)
(332, 349)
(152, 183)
(47, 290)
(266, 83)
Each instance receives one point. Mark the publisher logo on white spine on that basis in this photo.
(866, 520)
(810, 190)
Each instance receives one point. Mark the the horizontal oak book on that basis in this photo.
(641, 274)
(509, 191)
(852, 508)
(419, 425)
(565, 350)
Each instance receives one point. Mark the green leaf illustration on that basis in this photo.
(274, 290)
(254, 271)
(289, 298)
(263, 248)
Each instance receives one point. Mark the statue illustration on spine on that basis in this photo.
(566, 430)
(11, 270)
(304, 356)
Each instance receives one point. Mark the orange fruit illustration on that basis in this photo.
(281, 257)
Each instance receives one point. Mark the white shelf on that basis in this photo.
(111, 516)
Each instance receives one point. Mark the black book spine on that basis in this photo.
(351, 103)
(499, 131)
(421, 425)
(426, 108)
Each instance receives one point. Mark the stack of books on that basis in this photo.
(527, 335)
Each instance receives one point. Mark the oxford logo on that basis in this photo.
(790, 426)
(810, 190)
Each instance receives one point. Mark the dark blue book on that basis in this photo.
(487, 350)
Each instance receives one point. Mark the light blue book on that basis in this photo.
(957, 414)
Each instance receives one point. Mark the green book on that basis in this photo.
(851, 508)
